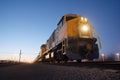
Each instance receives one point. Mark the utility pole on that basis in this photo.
(19, 56)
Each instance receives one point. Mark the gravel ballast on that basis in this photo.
(56, 72)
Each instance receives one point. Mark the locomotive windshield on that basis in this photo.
(70, 18)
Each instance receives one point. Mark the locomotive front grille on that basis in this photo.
(80, 45)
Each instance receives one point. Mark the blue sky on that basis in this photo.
(26, 24)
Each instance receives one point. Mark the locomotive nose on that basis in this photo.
(86, 50)
(89, 47)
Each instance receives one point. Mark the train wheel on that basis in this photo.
(65, 58)
(79, 60)
(53, 60)
(58, 61)
(65, 61)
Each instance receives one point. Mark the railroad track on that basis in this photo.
(101, 65)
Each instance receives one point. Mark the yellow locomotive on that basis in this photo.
(73, 39)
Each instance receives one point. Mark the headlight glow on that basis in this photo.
(85, 19)
(82, 18)
(84, 28)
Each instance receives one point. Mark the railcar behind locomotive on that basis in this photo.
(73, 39)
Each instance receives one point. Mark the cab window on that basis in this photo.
(70, 18)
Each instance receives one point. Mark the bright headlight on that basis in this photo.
(82, 18)
(85, 19)
(84, 28)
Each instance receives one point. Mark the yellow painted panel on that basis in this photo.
(72, 28)
(43, 48)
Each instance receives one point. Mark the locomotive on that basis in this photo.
(73, 39)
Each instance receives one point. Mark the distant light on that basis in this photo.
(118, 56)
(84, 28)
(102, 54)
(103, 57)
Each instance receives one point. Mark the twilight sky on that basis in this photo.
(26, 24)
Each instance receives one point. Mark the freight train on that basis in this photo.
(73, 39)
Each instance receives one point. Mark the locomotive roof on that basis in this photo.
(71, 15)
(77, 15)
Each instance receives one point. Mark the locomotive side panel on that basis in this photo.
(51, 41)
(62, 33)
